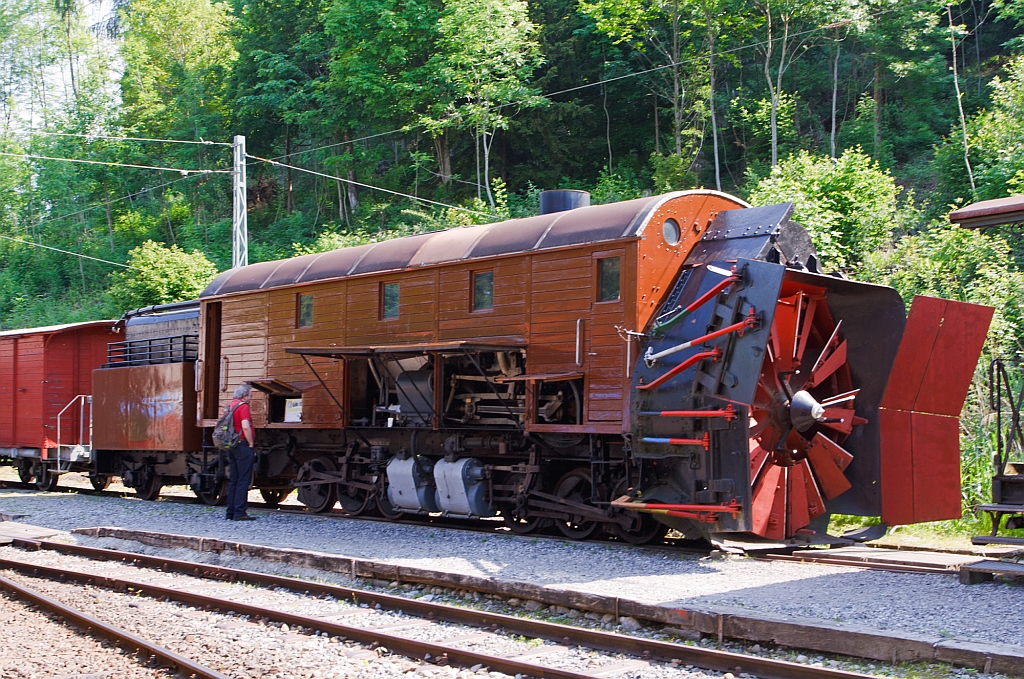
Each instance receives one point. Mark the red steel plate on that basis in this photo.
(831, 479)
(897, 467)
(936, 454)
(953, 358)
(797, 512)
(915, 349)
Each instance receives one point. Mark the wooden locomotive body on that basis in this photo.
(488, 357)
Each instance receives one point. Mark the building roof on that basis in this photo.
(591, 224)
(52, 329)
(990, 213)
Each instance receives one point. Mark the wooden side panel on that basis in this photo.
(8, 391)
(29, 368)
(456, 320)
(416, 310)
(562, 291)
(606, 352)
(328, 329)
(244, 348)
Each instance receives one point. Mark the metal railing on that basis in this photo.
(153, 351)
(79, 450)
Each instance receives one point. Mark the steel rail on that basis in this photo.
(648, 649)
(96, 627)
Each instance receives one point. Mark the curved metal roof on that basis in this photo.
(592, 224)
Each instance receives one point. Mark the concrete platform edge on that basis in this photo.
(798, 633)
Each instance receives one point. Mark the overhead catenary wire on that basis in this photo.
(130, 196)
(86, 135)
(182, 171)
(369, 186)
(68, 252)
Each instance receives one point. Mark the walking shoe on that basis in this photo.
(244, 517)
(229, 518)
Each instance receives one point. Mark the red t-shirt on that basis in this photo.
(241, 414)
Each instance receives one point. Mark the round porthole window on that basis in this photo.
(670, 230)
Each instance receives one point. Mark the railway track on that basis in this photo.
(439, 633)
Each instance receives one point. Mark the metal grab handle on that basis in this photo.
(223, 373)
(200, 369)
(579, 342)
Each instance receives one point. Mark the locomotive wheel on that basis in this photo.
(46, 480)
(386, 509)
(645, 529)
(319, 497)
(99, 481)
(213, 498)
(576, 487)
(353, 501)
(151, 491)
(25, 472)
(274, 496)
(803, 410)
(522, 525)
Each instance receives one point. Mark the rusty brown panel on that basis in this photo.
(953, 358)
(144, 408)
(658, 262)
(936, 460)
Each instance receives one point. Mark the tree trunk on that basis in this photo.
(714, 118)
(607, 125)
(289, 201)
(657, 132)
(353, 197)
(960, 105)
(444, 158)
(487, 162)
(877, 118)
(835, 94)
(110, 222)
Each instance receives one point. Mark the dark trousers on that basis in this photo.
(240, 470)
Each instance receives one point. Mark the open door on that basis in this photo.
(211, 361)
(920, 410)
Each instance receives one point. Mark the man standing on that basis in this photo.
(241, 456)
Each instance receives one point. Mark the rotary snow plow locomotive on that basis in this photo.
(768, 396)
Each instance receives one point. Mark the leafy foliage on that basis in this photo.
(160, 275)
(850, 207)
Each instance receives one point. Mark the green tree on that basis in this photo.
(160, 275)
(487, 54)
(850, 206)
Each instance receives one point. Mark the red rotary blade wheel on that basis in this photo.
(796, 464)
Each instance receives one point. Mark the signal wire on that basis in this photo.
(111, 164)
(370, 186)
(201, 142)
(68, 252)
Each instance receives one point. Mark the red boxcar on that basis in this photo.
(44, 371)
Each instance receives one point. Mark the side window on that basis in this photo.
(608, 279)
(304, 311)
(483, 290)
(389, 300)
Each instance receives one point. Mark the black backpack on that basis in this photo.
(224, 435)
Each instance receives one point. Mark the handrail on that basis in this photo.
(153, 351)
(81, 400)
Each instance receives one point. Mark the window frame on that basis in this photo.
(299, 297)
(600, 257)
(382, 310)
(472, 292)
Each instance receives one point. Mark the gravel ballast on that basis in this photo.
(925, 604)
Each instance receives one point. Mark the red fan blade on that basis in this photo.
(815, 502)
(834, 450)
(831, 479)
(826, 367)
(769, 504)
(758, 456)
(797, 513)
(784, 332)
(844, 414)
(805, 328)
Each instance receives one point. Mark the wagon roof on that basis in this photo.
(50, 329)
(585, 225)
